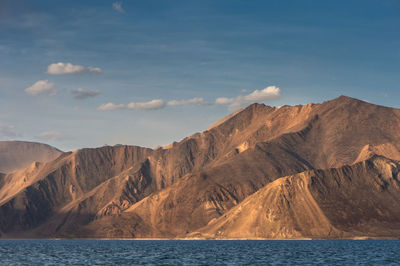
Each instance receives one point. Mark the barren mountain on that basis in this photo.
(15, 155)
(195, 187)
(350, 201)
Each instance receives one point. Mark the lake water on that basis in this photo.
(171, 252)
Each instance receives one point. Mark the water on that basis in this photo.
(153, 252)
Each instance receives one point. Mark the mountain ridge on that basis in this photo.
(187, 188)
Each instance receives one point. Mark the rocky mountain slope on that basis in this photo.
(263, 172)
(350, 201)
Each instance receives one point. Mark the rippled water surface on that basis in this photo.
(159, 252)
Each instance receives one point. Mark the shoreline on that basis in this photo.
(209, 239)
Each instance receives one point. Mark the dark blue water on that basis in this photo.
(103, 252)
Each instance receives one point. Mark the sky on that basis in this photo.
(78, 74)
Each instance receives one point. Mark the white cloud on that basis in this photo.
(268, 93)
(197, 101)
(64, 68)
(111, 106)
(118, 7)
(50, 136)
(224, 100)
(151, 105)
(61, 68)
(7, 131)
(81, 93)
(95, 70)
(40, 87)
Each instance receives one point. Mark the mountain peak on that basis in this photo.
(127, 191)
(347, 99)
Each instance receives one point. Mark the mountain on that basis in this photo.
(259, 162)
(351, 201)
(15, 155)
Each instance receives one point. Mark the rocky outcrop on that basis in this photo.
(351, 201)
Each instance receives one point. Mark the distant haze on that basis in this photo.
(16, 155)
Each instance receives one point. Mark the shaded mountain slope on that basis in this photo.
(15, 155)
(206, 195)
(55, 184)
(202, 196)
(110, 198)
(358, 200)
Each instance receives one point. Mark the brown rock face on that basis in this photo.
(350, 201)
(254, 174)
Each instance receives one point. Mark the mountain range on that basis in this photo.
(326, 170)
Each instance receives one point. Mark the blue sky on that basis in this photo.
(168, 69)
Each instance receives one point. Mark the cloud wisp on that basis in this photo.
(117, 6)
(61, 68)
(40, 87)
(111, 106)
(64, 68)
(81, 94)
(150, 105)
(196, 101)
(95, 70)
(268, 93)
